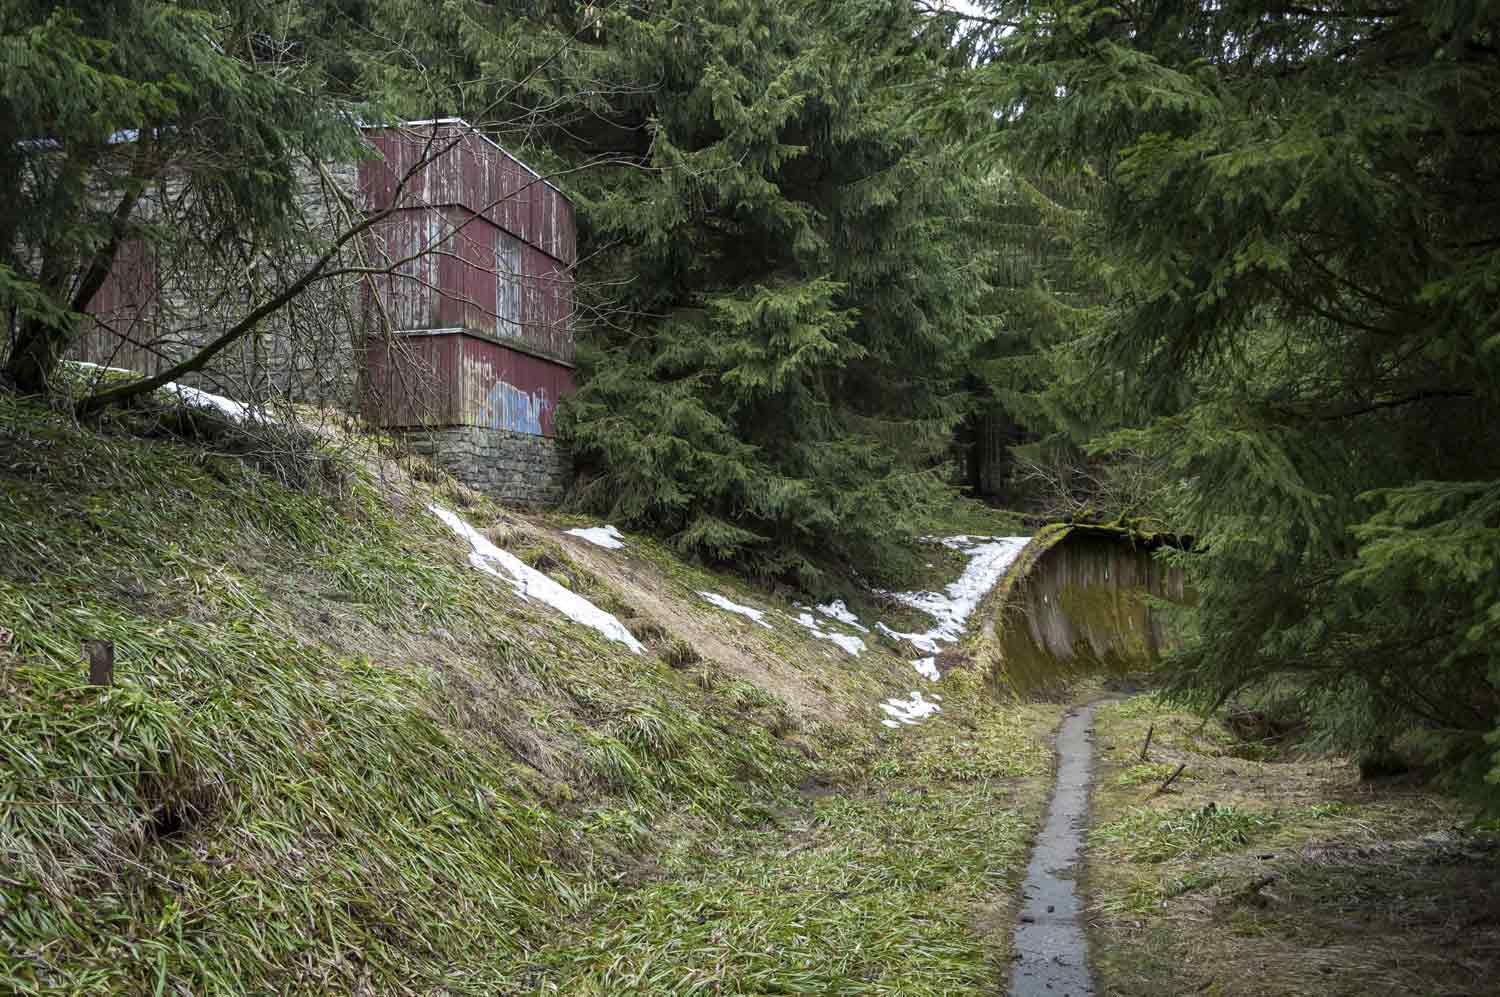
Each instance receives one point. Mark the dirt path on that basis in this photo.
(1051, 952)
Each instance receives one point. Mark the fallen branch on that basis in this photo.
(1170, 779)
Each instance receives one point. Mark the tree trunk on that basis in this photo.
(35, 353)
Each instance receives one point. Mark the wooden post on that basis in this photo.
(101, 655)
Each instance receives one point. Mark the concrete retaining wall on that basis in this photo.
(1083, 599)
(517, 468)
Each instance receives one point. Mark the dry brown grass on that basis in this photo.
(1287, 875)
(708, 632)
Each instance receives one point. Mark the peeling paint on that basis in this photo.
(508, 407)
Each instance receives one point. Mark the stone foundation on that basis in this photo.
(516, 468)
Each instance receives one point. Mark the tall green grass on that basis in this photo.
(337, 759)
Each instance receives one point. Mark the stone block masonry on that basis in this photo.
(516, 468)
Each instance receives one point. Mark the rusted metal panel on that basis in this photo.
(454, 379)
(468, 170)
(125, 312)
(130, 283)
(409, 295)
(461, 272)
(466, 271)
(548, 305)
(411, 381)
(480, 278)
(503, 389)
(567, 231)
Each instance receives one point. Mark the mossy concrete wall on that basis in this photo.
(1083, 599)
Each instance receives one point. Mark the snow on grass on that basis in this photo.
(927, 668)
(850, 643)
(922, 642)
(199, 398)
(951, 608)
(601, 536)
(908, 711)
(757, 615)
(98, 366)
(196, 397)
(530, 583)
(836, 610)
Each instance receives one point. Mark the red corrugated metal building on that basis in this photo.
(481, 296)
(467, 318)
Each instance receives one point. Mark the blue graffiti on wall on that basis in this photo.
(508, 407)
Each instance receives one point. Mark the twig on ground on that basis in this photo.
(1170, 779)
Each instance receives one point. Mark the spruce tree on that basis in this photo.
(1298, 237)
(797, 296)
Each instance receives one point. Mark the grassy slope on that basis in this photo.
(336, 758)
(1260, 872)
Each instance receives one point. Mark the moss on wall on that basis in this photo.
(1079, 600)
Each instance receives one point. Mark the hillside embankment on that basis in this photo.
(354, 742)
(368, 732)
(1227, 858)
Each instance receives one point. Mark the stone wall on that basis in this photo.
(516, 468)
(179, 296)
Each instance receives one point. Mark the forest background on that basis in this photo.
(1231, 269)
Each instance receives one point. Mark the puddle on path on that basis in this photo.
(1051, 952)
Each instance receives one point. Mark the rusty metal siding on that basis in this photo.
(503, 389)
(453, 379)
(547, 304)
(454, 276)
(411, 381)
(567, 231)
(483, 196)
(409, 295)
(473, 280)
(125, 314)
(466, 277)
(469, 171)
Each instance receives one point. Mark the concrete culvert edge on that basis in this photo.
(1050, 950)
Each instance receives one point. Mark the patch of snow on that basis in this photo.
(951, 608)
(602, 536)
(927, 668)
(850, 643)
(910, 711)
(207, 399)
(922, 642)
(530, 583)
(836, 610)
(757, 615)
(95, 366)
(890, 723)
(196, 397)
